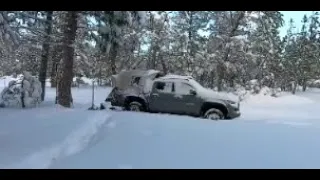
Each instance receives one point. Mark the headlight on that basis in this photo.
(231, 102)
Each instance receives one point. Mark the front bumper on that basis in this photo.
(233, 111)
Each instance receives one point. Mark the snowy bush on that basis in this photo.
(314, 83)
(254, 88)
(26, 89)
(241, 92)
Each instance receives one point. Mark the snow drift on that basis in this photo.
(83, 137)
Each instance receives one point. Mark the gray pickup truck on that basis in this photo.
(174, 95)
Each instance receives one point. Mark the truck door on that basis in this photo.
(161, 94)
(186, 99)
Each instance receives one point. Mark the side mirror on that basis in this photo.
(193, 92)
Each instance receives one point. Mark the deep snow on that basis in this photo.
(271, 133)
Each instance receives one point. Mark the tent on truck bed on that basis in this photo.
(133, 81)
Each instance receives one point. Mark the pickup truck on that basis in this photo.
(171, 94)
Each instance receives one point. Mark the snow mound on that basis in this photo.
(284, 99)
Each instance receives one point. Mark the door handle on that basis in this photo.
(155, 94)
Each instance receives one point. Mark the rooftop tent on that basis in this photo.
(146, 81)
(125, 79)
(113, 80)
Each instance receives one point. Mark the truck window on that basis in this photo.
(165, 87)
(182, 88)
(135, 80)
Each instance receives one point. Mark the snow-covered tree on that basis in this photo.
(223, 50)
(187, 27)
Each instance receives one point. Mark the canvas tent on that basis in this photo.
(127, 79)
(136, 82)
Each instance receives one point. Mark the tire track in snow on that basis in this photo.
(84, 137)
(291, 123)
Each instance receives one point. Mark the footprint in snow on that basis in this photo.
(292, 123)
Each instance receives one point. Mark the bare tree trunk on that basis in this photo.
(154, 58)
(304, 85)
(45, 54)
(211, 77)
(220, 76)
(55, 58)
(304, 88)
(113, 56)
(64, 93)
(163, 63)
(190, 46)
(22, 94)
(294, 87)
(283, 88)
(53, 74)
(202, 78)
(231, 82)
(99, 76)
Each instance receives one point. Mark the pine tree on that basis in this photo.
(45, 53)
(65, 80)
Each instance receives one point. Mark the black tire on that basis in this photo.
(213, 114)
(135, 106)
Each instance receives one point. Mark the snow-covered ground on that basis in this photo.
(272, 132)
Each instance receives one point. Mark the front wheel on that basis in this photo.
(213, 114)
(135, 106)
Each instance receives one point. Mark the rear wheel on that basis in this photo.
(135, 106)
(213, 114)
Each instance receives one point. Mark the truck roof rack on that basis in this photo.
(176, 77)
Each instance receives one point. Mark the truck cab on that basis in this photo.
(175, 96)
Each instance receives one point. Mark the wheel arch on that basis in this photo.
(130, 99)
(208, 105)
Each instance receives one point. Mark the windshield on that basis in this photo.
(195, 84)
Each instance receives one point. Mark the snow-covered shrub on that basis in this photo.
(10, 96)
(252, 88)
(241, 92)
(25, 89)
(314, 83)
